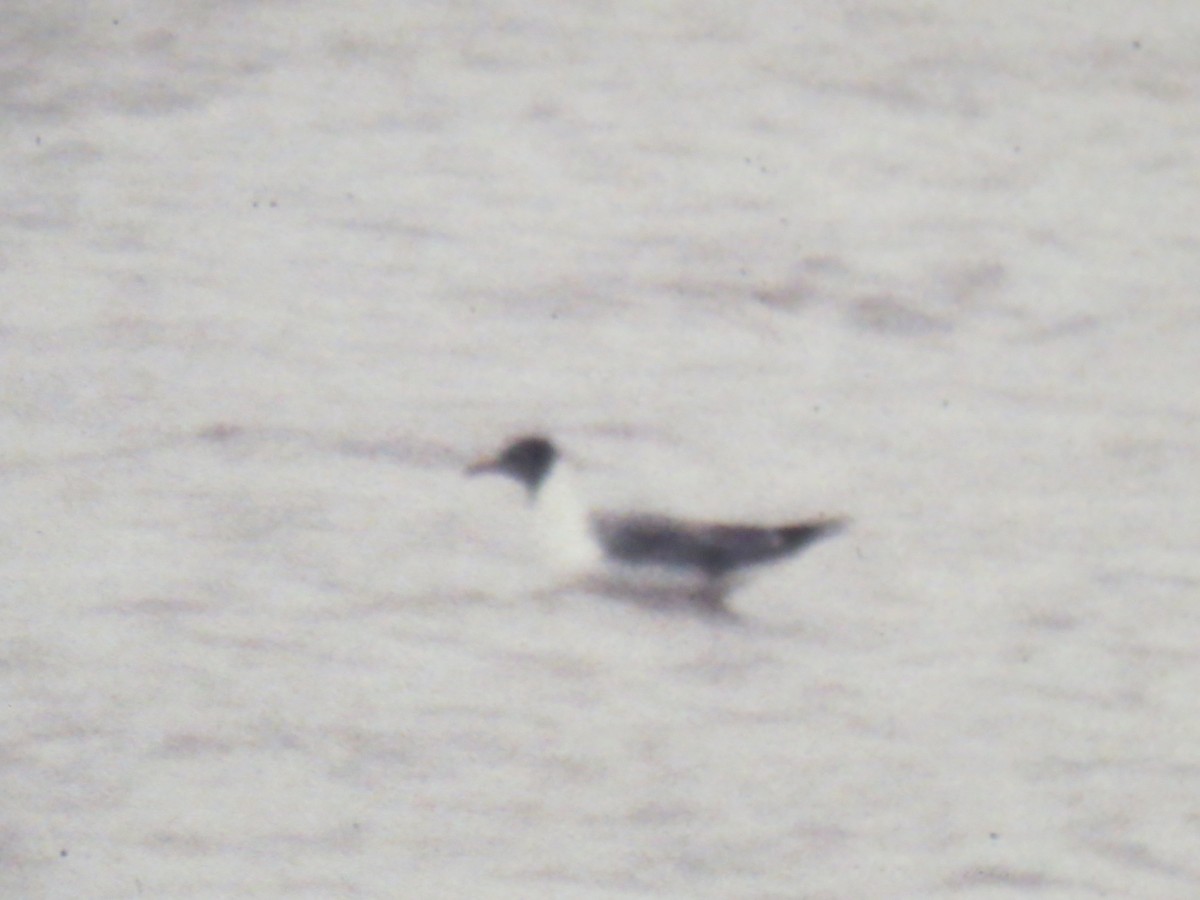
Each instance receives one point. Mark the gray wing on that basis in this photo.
(713, 549)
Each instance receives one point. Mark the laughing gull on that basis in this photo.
(641, 555)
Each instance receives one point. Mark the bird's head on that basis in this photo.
(527, 460)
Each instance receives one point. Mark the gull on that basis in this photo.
(641, 555)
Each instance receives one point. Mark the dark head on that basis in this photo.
(527, 459)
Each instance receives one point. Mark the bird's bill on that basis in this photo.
(483, 467)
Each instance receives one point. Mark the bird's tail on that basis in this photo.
(801, 535)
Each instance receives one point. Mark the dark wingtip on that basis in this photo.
(804, 533)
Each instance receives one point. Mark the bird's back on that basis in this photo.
(714, 549)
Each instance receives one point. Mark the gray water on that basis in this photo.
(271, 273)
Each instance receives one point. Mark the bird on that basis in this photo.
(644, 556)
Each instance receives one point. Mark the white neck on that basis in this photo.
(562, 521)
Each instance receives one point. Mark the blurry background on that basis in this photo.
(270, 273)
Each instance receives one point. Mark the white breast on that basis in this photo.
(562, 524)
